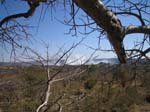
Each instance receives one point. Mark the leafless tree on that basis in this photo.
(102, 16)
(56, 76)
(106, 15)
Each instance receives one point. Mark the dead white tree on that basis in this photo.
(53, 77)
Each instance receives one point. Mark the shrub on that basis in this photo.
(29, 106)
(34, 75)
(92, 68)
(90, 84)
(120, 107)
(89, 104)
(133, 95)
(147, 98)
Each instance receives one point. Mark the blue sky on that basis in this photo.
(53, 32)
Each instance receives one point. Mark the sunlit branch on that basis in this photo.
(137, 29)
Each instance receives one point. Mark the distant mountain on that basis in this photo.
(30, 63)
(116, 61)
(14, 64)
(106, 60)
(62, 62)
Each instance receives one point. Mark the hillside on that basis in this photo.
(101, 88)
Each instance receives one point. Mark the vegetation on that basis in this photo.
(22, 91)
(100, 88)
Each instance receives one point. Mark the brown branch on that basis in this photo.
(142, 53)
(133, 14)
(32, 4)
(137, 29)
(108, 21)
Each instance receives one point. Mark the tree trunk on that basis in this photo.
(107, 20)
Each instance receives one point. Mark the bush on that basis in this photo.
(120, 107)
(34, 75)
(147, 98)
(92, 68)
(90, 84)
(30, 106)
(89, 104)
(133, 95)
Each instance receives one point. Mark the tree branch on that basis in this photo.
(108, 21)
(32, 4)
(137, 29)
(133, 14)
(141, 53)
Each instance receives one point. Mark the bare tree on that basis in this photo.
(106, 17)
(55, 76)
(104, 14)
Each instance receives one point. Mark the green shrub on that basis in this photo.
(92, 68)
(34, 75)
(120, 107)
(30, 106)
(90, 84)
(133, 95)
(89, 104)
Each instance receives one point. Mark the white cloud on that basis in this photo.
(76, 59)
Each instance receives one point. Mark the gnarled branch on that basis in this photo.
(32, 7)
(107, 20)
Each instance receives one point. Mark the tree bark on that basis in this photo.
(107, 20)
(33, 4)
(137, 29)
